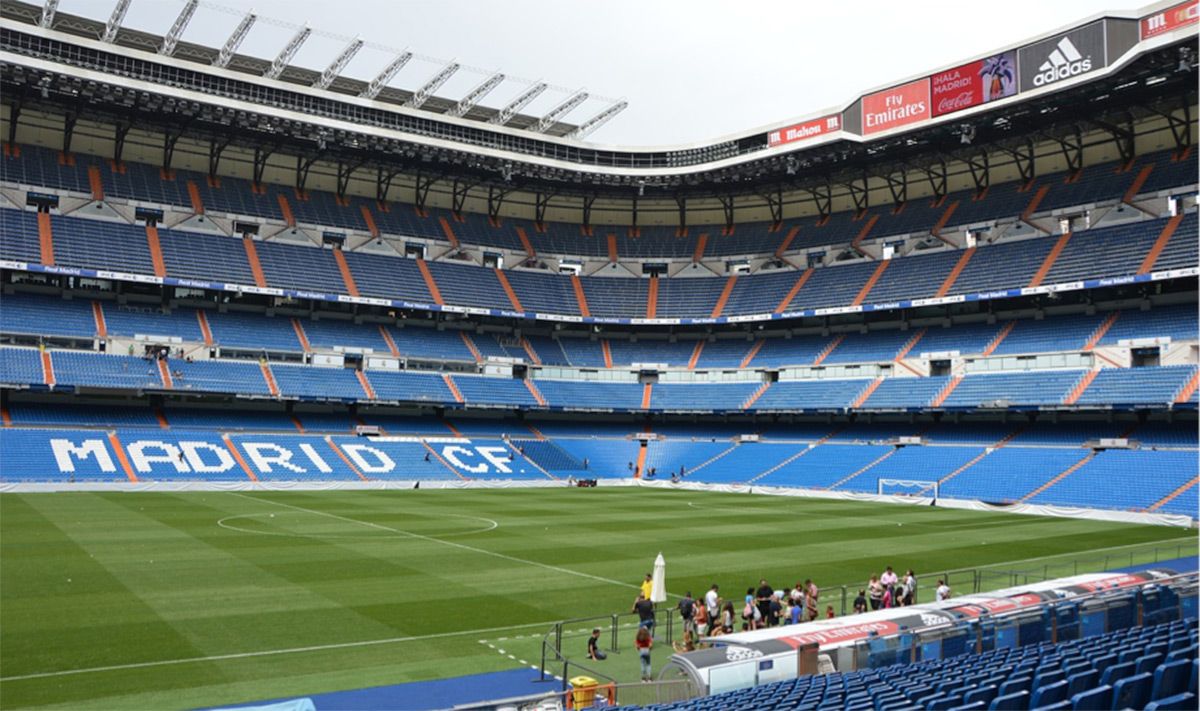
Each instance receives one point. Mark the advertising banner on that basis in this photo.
(802, 131)
(1185, 13)
(899, 106)
(1062, 57)
(973, 84)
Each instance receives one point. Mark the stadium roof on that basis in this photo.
(1105, 73)
(248, 50)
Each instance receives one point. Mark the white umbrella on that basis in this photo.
(658, 586)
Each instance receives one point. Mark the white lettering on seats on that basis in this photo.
(498, 456)
(315, 458)
(263, 462)
(453, 453)
(192, 452)
(170, 454)
(382, 464)
(65, 453)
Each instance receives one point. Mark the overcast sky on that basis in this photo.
(691, 70)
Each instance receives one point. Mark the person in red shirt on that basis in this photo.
(643, 642)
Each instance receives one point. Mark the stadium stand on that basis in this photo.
(1085, 673)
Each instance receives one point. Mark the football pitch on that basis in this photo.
(140, 600)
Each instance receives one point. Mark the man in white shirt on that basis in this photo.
(943, 591)
(712, 604)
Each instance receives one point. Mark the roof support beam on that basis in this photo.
(383, 183)
(727, 208)
(389, 72)
(822, 195)
(506, 114)
(559, 111)
(215, 149)
(587, 209)
(980, 165)
(235, 40)
(540, 202)
(176, 31)
(289, 50)
(1025, 158)
(458, 195)
(598, 120)
(339, 63)
(115, 20)
(1123, 137)
(421, 190)
(48, 11)
(468, 102)
(418, 99)
(495, 201)
(344, 171)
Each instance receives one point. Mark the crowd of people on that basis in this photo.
(762, 606)
(766, 606)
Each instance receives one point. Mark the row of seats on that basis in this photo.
(1172, 434)
(1152, 667)
(1063, 475)
(1159, 386)
(31, 315)
(39, 167)
(96, 244)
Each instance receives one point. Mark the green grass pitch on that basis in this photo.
(124, 600)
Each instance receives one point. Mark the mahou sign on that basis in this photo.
(806, 130)
(973, 84)
(1185, 13)
(899, 106)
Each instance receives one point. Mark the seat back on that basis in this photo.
(1178, 702)
(1171, 679)
(1010, 702)
(1097, 698)
(1050, 694)
(1132, 692)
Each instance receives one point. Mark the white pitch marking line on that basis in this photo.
(267, 653)
(462, 546)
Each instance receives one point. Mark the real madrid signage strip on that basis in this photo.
(568, 318)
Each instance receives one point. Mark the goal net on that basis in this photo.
(908, 487)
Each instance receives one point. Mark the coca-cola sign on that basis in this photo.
(806, 130)
(973, 84)
(1160, 23)
(899, 106)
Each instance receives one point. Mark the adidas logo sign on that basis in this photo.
(1064, 62)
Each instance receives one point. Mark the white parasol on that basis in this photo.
(658, 589)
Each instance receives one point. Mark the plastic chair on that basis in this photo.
(1012, 686)
(1049, 694)
(1010, 702)
(1178, 702)
(1132, 692)
(1082, 681)
(1116, 673)
(1149, 662)
(983, 695)
(1170, 679)
(1097, 698)
(1048, 677)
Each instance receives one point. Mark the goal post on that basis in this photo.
(908, 487)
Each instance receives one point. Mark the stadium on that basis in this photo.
(329, 393)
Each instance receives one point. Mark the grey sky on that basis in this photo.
(691, 69)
